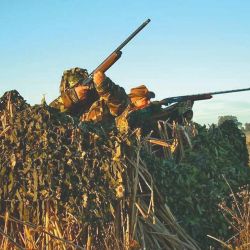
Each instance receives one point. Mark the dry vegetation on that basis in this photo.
(66, 185)
(248, 144)
(236, 212)
(100, 190)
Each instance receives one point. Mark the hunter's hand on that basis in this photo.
(81, 91)
(98, 77)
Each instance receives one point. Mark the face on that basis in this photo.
(141, 103)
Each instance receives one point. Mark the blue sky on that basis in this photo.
(190, 46)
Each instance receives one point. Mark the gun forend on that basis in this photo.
(109, 61)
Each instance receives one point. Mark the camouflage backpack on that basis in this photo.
(72, 77)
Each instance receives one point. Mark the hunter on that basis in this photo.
(106, 100)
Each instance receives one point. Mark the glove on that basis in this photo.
(81, 92)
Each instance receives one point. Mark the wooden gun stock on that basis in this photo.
(108, 62)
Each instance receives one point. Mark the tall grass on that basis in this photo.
(237, 213)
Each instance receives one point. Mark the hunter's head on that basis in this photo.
(140, 96)
(72, 77)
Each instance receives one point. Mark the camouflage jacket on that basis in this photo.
(148, 117)
(103, 102)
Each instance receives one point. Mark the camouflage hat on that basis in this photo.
(72, 77)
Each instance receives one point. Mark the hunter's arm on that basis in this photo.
(114, 95)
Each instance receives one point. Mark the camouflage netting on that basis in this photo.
(71, 185)
(196, 186)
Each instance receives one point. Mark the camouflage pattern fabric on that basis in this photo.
(123, 122)
(184, 110)
(105, 101)
(72, 77)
